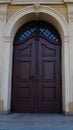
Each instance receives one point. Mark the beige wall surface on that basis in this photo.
(14, 8)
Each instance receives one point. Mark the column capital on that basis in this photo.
(7, 39)
(66, 39)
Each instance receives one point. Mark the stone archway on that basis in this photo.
(16, 20)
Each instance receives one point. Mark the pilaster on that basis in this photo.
(3, 16)
(6, 67)
(70, 21)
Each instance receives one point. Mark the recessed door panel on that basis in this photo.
(48, 70)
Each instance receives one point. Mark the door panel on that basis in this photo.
(49, 77)
(23, 85)
(48, 74)
(47, 51)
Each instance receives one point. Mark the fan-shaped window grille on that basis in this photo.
(37, 28)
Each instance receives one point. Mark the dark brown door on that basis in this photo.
(36, 77)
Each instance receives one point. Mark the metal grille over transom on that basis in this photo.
(33, 28)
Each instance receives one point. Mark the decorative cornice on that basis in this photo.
(69, 1)
(5, 1)
(17, 2)
(35, 1)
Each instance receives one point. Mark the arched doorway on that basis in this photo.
(36, 80)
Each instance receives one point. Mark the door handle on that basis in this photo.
(31, 77)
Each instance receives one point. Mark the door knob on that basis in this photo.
(31, 77)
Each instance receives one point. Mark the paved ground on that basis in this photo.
(36, 122)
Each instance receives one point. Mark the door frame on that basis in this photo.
(24, 15)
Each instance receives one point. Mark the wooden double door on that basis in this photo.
(36, 83)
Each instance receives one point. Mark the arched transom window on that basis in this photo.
(37, 28)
